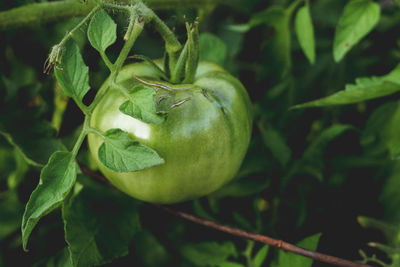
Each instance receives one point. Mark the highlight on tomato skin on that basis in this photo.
(203, 139)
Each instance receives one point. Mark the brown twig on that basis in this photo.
(265, 239)
(241, 233)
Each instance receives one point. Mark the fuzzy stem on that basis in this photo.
(39, 13)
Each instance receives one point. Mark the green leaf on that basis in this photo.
(122, 154)
(11, 88)
(358, 19)
(276, 144)
(36, 142)
(16, 177)
(73, 74)
(260, 256)
(212, 48)
(100, 223)
(314, 151)
(61, 259)
(279, 48)
(242, 188)
(208, 253)
(290, 259)
(395, 261)
(391, 132)
(312, 162)
(142, 105)
(149, 250)
(365, 88)
(390, 197)
(390, 231)
(56, 180)
(242, 221)
(11, 211)
(280, 51)
(102, 31)
(305, 32)
(382, 129)
(230, 264)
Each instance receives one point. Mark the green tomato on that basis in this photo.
(203, 140)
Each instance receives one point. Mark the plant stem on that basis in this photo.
(248, 251)
(34, 14)
(241, 233)
(293, 7)
(176, 73)
(172, 45)
(136, 30)
(39, 13)
(78, 26)
(95, 131)
(107, 61)
(264, 239)
(81, 137)
(115, 68)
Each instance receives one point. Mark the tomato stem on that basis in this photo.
(95, 131)
(193, 51)
(177, 73)
(137, 29)
(107, 61)
(172, 45)
(81, 137)
(78, 26)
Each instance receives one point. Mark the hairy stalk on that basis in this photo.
(81, 137)
(78, 26)
(39, 13)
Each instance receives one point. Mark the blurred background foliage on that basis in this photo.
(320, 177)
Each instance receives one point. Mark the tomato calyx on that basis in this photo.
(181, 72)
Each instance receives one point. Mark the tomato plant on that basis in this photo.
(203, 139)
(158, 89)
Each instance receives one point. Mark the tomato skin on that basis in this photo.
(203, 141)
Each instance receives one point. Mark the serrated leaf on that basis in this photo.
(102, 31)
(358, 19)
(99, 225)
(276, 144)
(142, 105)
(122, 154)
(73, 74)
(56, 180)
(260, 256)
(212, 48)
(208, 253)
(365, 88)
(305, 32)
